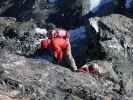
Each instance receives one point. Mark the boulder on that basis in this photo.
(41, 80)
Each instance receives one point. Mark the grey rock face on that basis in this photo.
(118, 34)
(115, 39)
(39, 80)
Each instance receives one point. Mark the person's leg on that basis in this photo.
(55, 61)
(58, 54)
(70, 57)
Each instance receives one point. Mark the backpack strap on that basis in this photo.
(62, 33)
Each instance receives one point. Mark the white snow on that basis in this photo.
(95, 4)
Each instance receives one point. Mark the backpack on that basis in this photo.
(58, 33)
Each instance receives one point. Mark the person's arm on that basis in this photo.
(70, 57)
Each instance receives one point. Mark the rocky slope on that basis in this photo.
(26, 71)
(38, 79)
(115, 37)
(115, 40)
(41, 80)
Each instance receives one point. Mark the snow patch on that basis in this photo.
(96, 4)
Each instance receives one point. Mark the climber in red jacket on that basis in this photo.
(58, 41)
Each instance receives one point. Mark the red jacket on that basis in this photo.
(57, 44)
(58, 41)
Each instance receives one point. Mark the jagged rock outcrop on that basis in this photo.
(114, 38)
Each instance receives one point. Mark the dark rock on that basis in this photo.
(114, 35)
(115, 38)
(19, 37)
